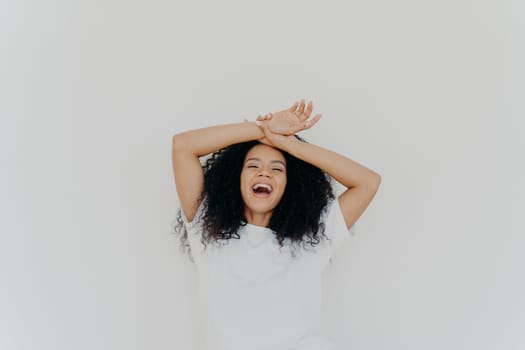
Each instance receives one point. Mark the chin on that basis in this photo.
(259, 207)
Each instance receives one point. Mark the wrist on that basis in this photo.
(290, 144)
(251, 130)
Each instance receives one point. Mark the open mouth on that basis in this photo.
(262, 189)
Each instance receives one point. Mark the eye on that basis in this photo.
(278, 169)
(252, 166)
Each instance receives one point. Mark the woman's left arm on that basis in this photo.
(361, 183)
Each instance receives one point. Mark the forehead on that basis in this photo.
(265, 153)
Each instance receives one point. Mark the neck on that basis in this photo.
(258, 219)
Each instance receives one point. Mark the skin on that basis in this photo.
(262, 164)
(275, 130)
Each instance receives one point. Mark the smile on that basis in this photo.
(262, 189)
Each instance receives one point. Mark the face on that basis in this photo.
(263, 178)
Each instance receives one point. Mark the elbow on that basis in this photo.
(375, 181)
(378, 178)
(178, 142)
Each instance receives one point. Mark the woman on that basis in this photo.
(260, 221)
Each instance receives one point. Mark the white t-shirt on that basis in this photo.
(258, 297)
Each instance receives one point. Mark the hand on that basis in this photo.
(273, 139)
(291, 120)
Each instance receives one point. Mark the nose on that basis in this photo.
(264, 172)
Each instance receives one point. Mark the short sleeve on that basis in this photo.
(335, 226)
(194, 230)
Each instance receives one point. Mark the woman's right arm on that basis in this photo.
(188, 146)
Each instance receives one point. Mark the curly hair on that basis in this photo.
(296, 217)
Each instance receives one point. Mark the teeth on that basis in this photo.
(257, 186)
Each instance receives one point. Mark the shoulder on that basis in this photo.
(194, 230)
(334, 222)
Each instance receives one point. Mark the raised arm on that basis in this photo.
(188, 146)
(361, 183)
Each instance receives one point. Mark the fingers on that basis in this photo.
(308, 111)
(307, 124)
(301, 113)
(294, 107)
(297, 111)
(265, 130)
(311, 122)
(298, 108)
(265, 140)
(265, 117)
(301, 106)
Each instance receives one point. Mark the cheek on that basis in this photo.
(243, 178)
(282, 184)
(244, 182)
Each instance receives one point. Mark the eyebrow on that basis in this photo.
(272, 161)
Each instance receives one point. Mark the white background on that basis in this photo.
(430, 94)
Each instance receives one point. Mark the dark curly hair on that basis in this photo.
(296, 217)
